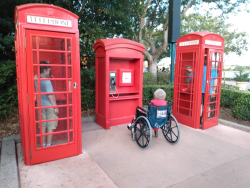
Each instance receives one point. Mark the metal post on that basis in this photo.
(172, 55)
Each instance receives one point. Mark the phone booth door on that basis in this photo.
(50, 69)
(212, 89)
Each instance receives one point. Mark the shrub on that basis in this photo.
(163, 78)
(241, 107)
(149, 79)
(88, 79)
(8, 88)
(87, 99)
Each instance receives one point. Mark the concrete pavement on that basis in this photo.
(216, 157)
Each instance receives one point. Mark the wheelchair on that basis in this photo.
(152, 119)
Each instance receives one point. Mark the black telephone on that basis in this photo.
(112, 81)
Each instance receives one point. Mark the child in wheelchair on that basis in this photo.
(158, 115)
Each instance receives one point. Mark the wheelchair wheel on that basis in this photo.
(143, 132)
(171, 130)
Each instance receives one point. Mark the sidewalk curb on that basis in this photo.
(9, 174)
(234, 125)
(88, 119)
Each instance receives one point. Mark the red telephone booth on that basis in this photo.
(119, 77)
(193, 52)
(48, 80)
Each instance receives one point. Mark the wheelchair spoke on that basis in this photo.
(174, 134)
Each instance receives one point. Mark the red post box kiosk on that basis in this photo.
(48, 80)
(119, 77)
(198, 54)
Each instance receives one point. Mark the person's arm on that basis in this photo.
(53, 102)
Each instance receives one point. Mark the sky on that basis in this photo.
(240, 21)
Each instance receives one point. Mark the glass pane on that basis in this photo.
(70, 136)
(37, 115)
(48, 86)
(215, 56)
(36, 100)
(70, 98)
(214, 65)
(69, 59)
(52, 57)
(49, 43)
(35, 72)
(34, 57)
(37, 128)
(38, 142)
(69, 72)
(60, 138)
(53, 126)
(33, 42)
(61, 98)
(68, 44)
(62, 112)
(70, 111)
(70, 124)
(50, 72)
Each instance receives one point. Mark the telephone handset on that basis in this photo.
(112, 81)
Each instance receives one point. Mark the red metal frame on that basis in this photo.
(190, 52)
(117, 55)
(27, 52)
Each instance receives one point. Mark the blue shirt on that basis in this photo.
(45, 87)
(214, 74)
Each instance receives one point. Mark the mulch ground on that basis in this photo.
(10, 126)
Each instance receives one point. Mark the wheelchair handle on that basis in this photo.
(143, 109)
(170, 102)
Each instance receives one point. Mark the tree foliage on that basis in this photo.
(234, 41)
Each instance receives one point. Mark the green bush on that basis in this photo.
(163, 78)
(149, 79)
(241, 106)
(87, 99)
(88, 79)
(87, 89)
(8, 88)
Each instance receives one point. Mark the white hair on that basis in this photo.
(160, 94)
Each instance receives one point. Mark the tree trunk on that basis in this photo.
(152, 67)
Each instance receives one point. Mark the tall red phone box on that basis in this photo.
(48, 82)
(197, 82)
(119, 77)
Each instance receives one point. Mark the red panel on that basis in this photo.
(101, 85)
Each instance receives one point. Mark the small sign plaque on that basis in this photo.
(188, 43)
(49, 21)
(215, 43)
